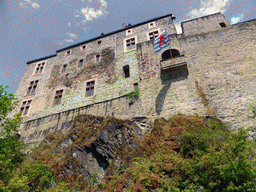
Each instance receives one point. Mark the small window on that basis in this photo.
(25, 107)
(81, 62)
(97, 57)
(64, 68)
(90, 88)
(222, 24)
(153, 35)
(126, 69)
(152, 24)
(99, 42)
(130, 44)
(136, 86)
(129, 32)
(83, 47)
(58, 96)
(39, 68)
(32, 87)
(68, 52)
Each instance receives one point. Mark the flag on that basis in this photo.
(161, 41)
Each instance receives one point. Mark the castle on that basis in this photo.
(208, 69)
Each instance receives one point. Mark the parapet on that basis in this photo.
(204, 24)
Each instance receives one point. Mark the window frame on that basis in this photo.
(25, 106)
(62, 70)
(39, 67)
(129, 33)
(94, 87)
(79, 62)
(83, 47)
(33, 87)
(125, 43)
(70, 51)
(152, 31)
(126, 70)
(152, 26)
(61, 98)
(98, 57)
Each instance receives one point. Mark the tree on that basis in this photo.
(11, 147)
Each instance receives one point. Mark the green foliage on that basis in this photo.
(211, 158)
(94, 179)
(133, 94)
(11, 147)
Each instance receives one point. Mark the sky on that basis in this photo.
(31, 29)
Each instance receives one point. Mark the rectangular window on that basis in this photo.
(130, 44)
(151, 25)
(90, 88)
(126, 69)
(99, 42)
(25, 107)
(136, 86)
(58, 96)
(97, 57)
(81, 61)
(32, 87)
(68, 52)
(39, 68)
(222, 24)
(153, 35)
(64, 67)
(83, 47)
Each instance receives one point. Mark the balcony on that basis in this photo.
(173, 62)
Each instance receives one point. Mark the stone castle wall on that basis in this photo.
(222, 61)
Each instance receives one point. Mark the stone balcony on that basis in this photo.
(173, 62)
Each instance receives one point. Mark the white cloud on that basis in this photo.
(35, 5)
(25, 3)
(73, 35)
(209, 7)
(69, 40)
(91, 13)
(236, 19)
(103, 3)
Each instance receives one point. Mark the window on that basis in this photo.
(97, 57)
(130, 44)
(153, 35)
(25, 107)
(64, 68)
(58, 96)
(129, 32)
(68, 52)
(136, 86)
(170, 53)
(39, 68)
(151, 25)
(32, 87)
(90, 88)
(99, 42)
(81, 61)
(222, 24)
(126, 71)
(83, 47)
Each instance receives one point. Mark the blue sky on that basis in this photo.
(31, 29)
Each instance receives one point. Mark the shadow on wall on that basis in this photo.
(161, 98)
(169, 76)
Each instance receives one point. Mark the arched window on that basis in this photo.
(170, 53)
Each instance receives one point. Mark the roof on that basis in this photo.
(102, 36)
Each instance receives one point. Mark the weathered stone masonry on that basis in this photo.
(221, 59)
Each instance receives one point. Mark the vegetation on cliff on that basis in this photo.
(184, 153)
